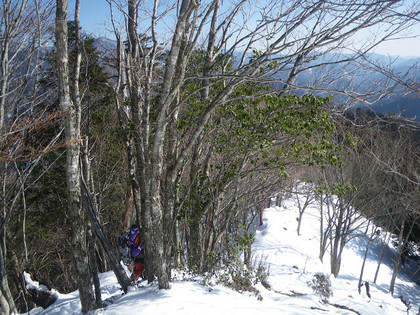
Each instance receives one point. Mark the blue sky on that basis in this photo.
(95, 19)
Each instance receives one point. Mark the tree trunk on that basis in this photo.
(381, 257)
(302, 209)
(364, 262)
(7, 304)
(90, 237)
(94, 270)
(160, 261)
(3, 83)
(398, 258)
(321, 231)
(195, 248)
(138, 144)
(210, 51)
(4, 78)
(401, 244)
(209, 235)
(119, 272)
(335, 264)
(6, 299)
(325, 231)
(133, 171)
(195, 251)
(72, 129)
(278, 200)
(335, 246)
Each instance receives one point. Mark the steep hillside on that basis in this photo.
(292, 262)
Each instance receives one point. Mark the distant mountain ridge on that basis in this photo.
(407, 105)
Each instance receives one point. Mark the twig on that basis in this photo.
(343, 307)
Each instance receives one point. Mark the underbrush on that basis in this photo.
(321, 285)
(233, 273)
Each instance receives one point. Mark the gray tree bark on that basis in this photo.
(6, 299)
(119, 272)
(384, 245)
(10, 27)
(72, 131)
(153, 113)
(371, 238)
(84, 155)
(398, 258)
(402, 240)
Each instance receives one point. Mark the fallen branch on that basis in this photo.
(291, 294)
(343, 307)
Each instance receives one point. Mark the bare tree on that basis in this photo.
(371, 237)
(72, 131)
(277, 44)
(308, 198)
(340, 218)
(23, 35)
(385, 162)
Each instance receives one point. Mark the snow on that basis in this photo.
(292, 260)
(31, 284)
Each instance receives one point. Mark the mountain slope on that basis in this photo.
(292, 260)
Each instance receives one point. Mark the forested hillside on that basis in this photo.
(199, 115)
(288, 277)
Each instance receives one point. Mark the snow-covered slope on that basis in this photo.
(293, 261)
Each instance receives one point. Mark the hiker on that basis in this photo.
(131, 251)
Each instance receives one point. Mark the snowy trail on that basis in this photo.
(292, 261)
